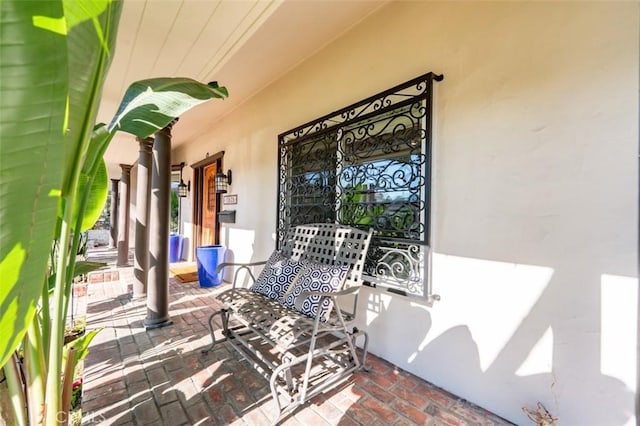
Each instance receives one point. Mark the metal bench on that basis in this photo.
(300, 341)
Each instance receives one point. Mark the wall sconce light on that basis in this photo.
(183, 188)
(222, 182)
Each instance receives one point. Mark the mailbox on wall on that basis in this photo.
(227, 216)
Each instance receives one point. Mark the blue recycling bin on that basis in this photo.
(208, 259)
(175, 249)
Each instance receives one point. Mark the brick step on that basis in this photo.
(103, 276)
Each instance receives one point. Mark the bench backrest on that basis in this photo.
(331, 244)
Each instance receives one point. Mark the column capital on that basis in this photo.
(167, 129)
(146, 144)
(126, 168)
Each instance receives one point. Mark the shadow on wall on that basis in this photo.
(229, 257)
(506, 335)
(185, 248)
(240, 245)
(566, 349)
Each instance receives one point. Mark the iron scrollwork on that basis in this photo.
(367, 165)
(400, 265)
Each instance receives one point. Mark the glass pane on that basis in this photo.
(382, 183)
(311, 185)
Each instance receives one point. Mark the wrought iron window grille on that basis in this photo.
(368, 165)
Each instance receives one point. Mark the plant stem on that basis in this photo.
(35, 371)
(45, 321)
(67, 384)
(74, 245)
(16, 390)
(53, 405)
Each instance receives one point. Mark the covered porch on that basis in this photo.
(141, 377)
(527, 203)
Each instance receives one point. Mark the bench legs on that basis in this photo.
(304, 392)
(365, 346)
(343, 351)
(224, 317)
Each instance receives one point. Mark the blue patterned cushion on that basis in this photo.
(276, 276)
(315, 277)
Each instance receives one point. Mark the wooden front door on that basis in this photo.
(209, 206)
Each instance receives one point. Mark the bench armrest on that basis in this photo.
(227, 264)
(240, 266)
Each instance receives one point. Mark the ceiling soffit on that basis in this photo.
(245, 45)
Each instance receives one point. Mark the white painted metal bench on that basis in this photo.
(301, 340)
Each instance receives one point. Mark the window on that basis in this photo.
(369, 166)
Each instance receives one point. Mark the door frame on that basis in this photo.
(198, 198)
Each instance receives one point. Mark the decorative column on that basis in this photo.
(113, 214)
(123, 216)
(158, 278)
(143, 192)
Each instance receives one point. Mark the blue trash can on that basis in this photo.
(174, 248)
(208, 258)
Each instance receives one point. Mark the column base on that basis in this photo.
(150, 324)
(123, 255)
(136, 298)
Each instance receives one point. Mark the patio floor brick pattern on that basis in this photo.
(160, 377)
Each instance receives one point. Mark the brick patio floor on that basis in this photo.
(160, 377)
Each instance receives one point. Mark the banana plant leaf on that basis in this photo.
(44, 122)
(79, 268)
(81, 344)
(92, 28)
(49, 144)
(95, 187)
(33, 92)
(85, 266)
(149, 105)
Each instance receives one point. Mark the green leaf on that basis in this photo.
(150, 105)
(77, 12)
(95, 188)
(51, 282)
(94, 176)
(92, 29)
(100, 139)
(81, 344)
(84, 267)
(33, 93)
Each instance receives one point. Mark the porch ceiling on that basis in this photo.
(245, 45)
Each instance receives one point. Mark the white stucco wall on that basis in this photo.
(535, 195)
